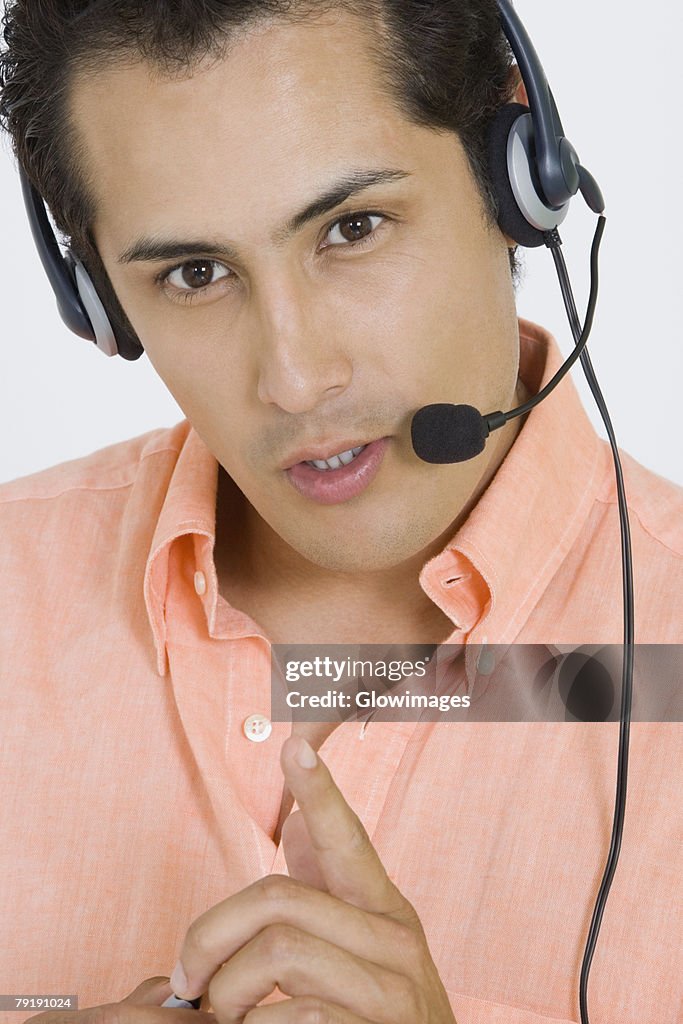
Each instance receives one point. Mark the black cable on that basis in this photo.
(499, 419)
(553, 242)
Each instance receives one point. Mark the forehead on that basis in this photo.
(279, 114)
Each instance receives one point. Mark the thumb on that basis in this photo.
(150, 992)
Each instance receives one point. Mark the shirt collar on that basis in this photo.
(493, 571)
(188, 508)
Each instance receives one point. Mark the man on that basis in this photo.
(305, 255)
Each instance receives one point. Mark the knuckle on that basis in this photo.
(359, 839)
(415, 922)
(277, 890)
(407, 917)
(411, 944)
(281, 942)
(313, 1011)
(256, 1014)
(198, 939)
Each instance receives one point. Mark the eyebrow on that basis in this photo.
(154, 248)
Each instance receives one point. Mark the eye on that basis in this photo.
(354, 228)
(194, 276)
(190, 280)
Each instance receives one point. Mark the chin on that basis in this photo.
(344, 554)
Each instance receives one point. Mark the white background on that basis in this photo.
(615, 76)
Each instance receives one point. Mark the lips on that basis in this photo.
(322, 451)
(335, 486)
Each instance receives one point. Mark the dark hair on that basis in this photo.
(445, 63)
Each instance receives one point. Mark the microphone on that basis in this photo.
(443, 434)
(449, 433)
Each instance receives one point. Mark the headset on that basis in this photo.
(535, 172)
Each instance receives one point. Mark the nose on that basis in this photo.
(302, 359)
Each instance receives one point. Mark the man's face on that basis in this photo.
(301, 339)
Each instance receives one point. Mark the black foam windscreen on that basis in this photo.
(511, 220)
(444, 434)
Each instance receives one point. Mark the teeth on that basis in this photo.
(337, 461)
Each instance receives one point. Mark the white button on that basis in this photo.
(200, 583)
(257, 728)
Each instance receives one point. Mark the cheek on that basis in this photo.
(444, 340)
(401, 318)
(451, 271)
(182, 373)
(210, 389)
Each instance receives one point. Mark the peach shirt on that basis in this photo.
(133, 801)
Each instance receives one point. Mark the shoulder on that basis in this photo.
(584, 601)
(655, 503)
(655, 507)
(107, 469)
(82, 510)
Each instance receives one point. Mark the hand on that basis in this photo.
(337, 935)
(141, 1006)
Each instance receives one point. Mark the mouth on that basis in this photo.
(327, 451)
(338, 477)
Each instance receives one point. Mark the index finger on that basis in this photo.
(349, 863)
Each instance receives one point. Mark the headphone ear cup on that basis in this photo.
(511, 220)
(106, 338)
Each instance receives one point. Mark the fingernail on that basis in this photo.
(179, 980)
(305, 755)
